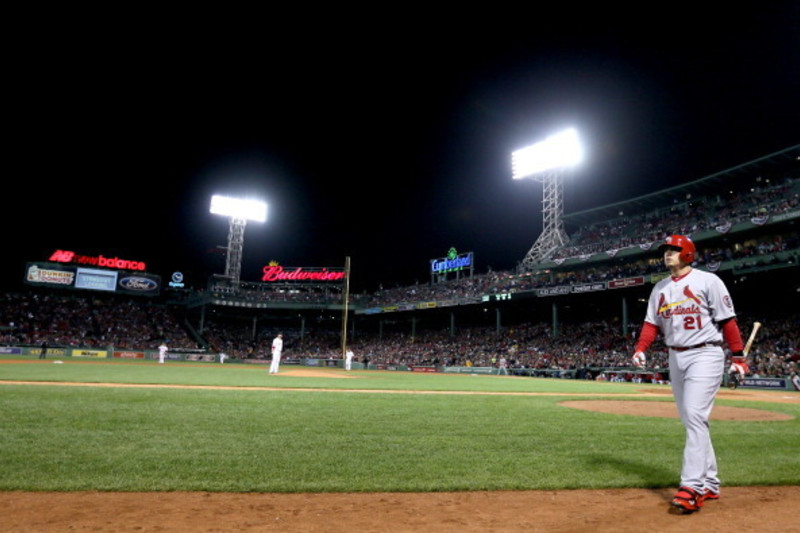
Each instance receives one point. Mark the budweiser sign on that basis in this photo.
(278, 273)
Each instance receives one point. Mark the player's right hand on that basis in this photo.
(741, 368)
(739, 363)
(639, 360)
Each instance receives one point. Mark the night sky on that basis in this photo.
(386, 137)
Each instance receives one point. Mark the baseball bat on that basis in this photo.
(749, 344)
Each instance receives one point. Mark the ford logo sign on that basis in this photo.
(135, 283)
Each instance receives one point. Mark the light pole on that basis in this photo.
(547, 162)
(239, 212)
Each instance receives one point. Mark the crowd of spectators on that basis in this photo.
(282, 292)
(759, 251)
(692, 216)
(586, 349)
(78, 320)
(241, 340)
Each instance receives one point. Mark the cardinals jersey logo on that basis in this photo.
(666, 310)
(689, 294)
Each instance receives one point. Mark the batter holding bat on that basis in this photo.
(738, 369)
(693, 311)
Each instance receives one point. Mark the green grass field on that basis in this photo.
(360, 434)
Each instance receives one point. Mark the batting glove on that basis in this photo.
(739, 364)
(639, 359)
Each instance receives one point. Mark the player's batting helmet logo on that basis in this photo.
(684, 244)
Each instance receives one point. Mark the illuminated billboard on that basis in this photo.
(70, 257)
(277, 273)
(453, 262)
(96, 280)
(56, 275)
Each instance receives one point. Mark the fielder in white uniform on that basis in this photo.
(502, 366)
(348, 359)
(277, 348)
(693, 311)
(162, 352)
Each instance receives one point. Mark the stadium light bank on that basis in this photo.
(559, 150)
(238, 211)
(546, 161)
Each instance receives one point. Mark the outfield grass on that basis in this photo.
(158, 439)
(240, 375)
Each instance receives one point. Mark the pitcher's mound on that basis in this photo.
(669, 410)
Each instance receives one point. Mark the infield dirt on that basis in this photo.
(740, 509)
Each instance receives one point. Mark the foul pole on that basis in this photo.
(344, 307)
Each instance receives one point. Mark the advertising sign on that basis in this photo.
(95, 279)
(36, 274)
(139, 283)
(454, 262)
(70, 257)
(98, 280)
(626, 282)
(273, 273)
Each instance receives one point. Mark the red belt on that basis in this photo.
(703, 345)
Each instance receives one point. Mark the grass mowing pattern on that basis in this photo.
(89, 438)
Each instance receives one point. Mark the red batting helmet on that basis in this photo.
(684, 244)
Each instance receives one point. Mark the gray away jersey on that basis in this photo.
(688, 309)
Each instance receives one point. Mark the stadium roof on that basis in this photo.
(787, 159)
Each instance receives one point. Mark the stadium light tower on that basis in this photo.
(239, 212)
(547, 162)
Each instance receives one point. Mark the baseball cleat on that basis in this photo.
(710, 495)
(687, 500)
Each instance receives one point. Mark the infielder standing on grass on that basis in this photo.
(162, 352)
(693, 310)
(277, 348)
(348, 359)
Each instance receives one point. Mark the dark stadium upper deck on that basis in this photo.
(780, 164)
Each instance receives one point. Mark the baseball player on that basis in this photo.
(277, 348)
(162, 353)
(503, 366)
(693, 311)
(348, 359)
